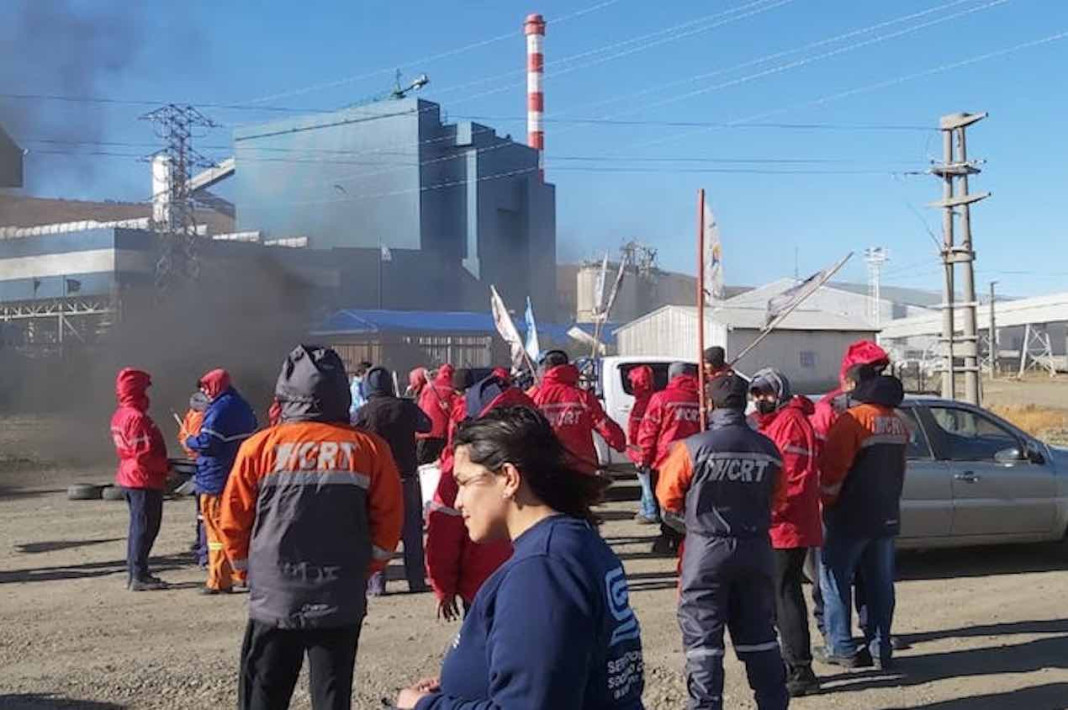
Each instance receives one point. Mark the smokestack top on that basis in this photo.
(535, 25)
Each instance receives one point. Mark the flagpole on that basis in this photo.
(701, 305)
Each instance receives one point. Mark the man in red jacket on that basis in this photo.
(673, 414)
(795, 518)
(641, 387)
(436, 402)
(575, 413)
(142, 474)
(456, 566)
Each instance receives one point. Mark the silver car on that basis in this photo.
(975, 479)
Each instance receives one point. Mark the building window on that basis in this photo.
(808, 358)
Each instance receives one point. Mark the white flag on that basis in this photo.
(503, 321)
(713, 258)
(793, 297)
(533, 346)
(598, 289)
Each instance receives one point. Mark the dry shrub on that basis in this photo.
(1043, 422)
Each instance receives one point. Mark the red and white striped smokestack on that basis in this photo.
(534, 28)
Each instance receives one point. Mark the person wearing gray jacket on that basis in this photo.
(721, 483)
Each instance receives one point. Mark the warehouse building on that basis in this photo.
(807, 347)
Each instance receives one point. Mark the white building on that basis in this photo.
(807, 347)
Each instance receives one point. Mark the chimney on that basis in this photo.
(534, 28)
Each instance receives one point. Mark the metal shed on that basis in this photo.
(807, 348)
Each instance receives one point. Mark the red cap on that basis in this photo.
(863, 352)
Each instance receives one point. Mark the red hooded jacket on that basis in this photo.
(831, 406)
(641, 385)
(795, 518)
(436, 402)
(574, 415)
(138, 441)
(455, 564)
(673, 414)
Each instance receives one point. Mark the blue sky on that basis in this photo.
(718, 61)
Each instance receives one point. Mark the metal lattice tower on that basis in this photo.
(174, 210)
(875, 257)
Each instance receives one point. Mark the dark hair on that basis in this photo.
(715, 356)
(555, 358)
(864, 372)
(523, 437)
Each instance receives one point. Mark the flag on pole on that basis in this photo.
(713, 258)
(792, 297)
(615, 288)
(533, 347)
(598, 289)
(503, 321)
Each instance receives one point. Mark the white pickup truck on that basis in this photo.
(608, 378)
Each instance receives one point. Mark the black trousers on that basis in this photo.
(146, 513)
(791, 614)
(412, 533)
(271, 659)
(428, 450)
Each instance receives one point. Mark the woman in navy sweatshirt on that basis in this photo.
(552, 628)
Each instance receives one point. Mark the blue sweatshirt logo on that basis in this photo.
(619, 605)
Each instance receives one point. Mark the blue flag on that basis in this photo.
(533, 348)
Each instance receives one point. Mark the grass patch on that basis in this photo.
(1046, 423)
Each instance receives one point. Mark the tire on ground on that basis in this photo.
(113, 493)
(84, 491)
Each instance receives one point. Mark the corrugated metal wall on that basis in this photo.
(810, 359)
(670, 332)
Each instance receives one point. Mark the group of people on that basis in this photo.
(310, 509)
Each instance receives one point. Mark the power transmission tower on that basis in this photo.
(875, 257)
(174, 210)
(956, 168)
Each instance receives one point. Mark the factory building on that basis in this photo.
(449, 208)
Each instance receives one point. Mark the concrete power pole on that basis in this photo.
(956, 167)
(993, 336)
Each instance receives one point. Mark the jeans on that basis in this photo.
(842, 556)
(649, 507)
(791, 615)
(412, 534)
(146, 513)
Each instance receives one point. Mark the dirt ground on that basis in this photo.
(988, 626)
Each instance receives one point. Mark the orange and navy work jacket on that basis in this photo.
(309, 511)
(862, 471)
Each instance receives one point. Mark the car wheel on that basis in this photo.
(84, 491)
(113, 493)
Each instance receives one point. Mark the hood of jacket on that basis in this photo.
(313, 386)
(863, 352)
(417, 379)
(884, 390)
(215, 382)
(444, 376)
(641, 380)
(131, 387)
(686, 383)
(198, 401)
(494, 392)
(562, 375)
(378, 382)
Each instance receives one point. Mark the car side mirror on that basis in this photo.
(1009, 456)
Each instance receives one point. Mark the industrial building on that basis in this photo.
(445, 209)
(807, 346)
(10, 161)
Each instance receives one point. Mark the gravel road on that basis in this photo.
(988, 627)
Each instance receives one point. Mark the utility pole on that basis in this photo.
(993, 336)
(875, 257)
(956, 166)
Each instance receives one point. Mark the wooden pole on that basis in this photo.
(701, 306)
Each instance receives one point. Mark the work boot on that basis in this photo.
(147, 585)
(861, 659)
(801, 681)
